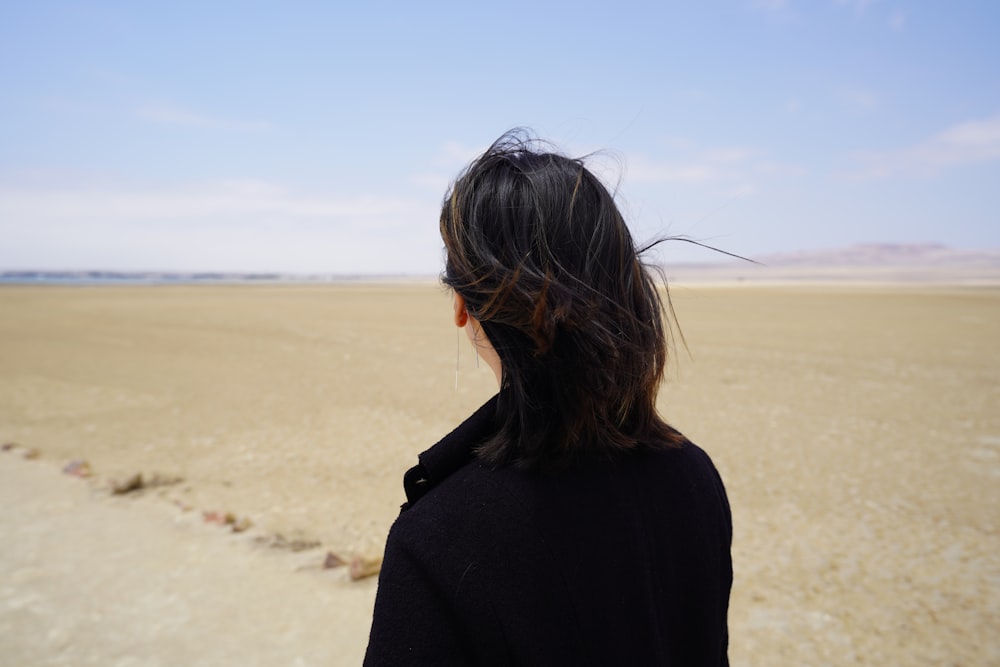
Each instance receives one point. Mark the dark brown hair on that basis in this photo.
(539, 251)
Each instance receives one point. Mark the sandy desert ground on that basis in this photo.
(857, 429)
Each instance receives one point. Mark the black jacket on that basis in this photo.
(623, 563)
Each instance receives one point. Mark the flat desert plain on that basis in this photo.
(857, 429)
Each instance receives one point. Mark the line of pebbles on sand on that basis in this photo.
(360, 567)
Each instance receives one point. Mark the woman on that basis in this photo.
(564, 523)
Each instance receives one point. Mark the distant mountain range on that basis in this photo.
(882, 254)
(869, 262)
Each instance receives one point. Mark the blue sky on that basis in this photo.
(320, 137)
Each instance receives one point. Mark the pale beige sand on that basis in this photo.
(86, 582)
(858, 431)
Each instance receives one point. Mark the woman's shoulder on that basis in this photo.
(511, 503)
(470, 495)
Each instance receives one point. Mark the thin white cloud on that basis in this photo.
(230, 199)
(699, 165)
(859, 6)
(445, 165)
(792, 105)
(710, 173)
(172, 115)
(675, 143)
(235, 225)
(768, 5)
(435, 181)
(743, 190)
(454, 153)
(769, 168)
(776, 11)
(727, 154)
(691, 96)
(642, 170)
(858, 99)
(969, 142)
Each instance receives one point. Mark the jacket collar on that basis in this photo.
(450, 453)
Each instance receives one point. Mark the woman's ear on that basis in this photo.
(461, 314)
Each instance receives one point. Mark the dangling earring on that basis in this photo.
(475, 343)
(458, 346)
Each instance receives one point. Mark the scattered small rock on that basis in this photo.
(158, 479)
(221, 518)
(78, 468)
(139, 482)
(241, 524)
(332, 560)
(127, 485)
(279, 541)
(185, 507)
(362, 567)
(32, 453)
(235, 523)
(7, 446)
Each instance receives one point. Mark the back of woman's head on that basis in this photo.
(539, 251)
